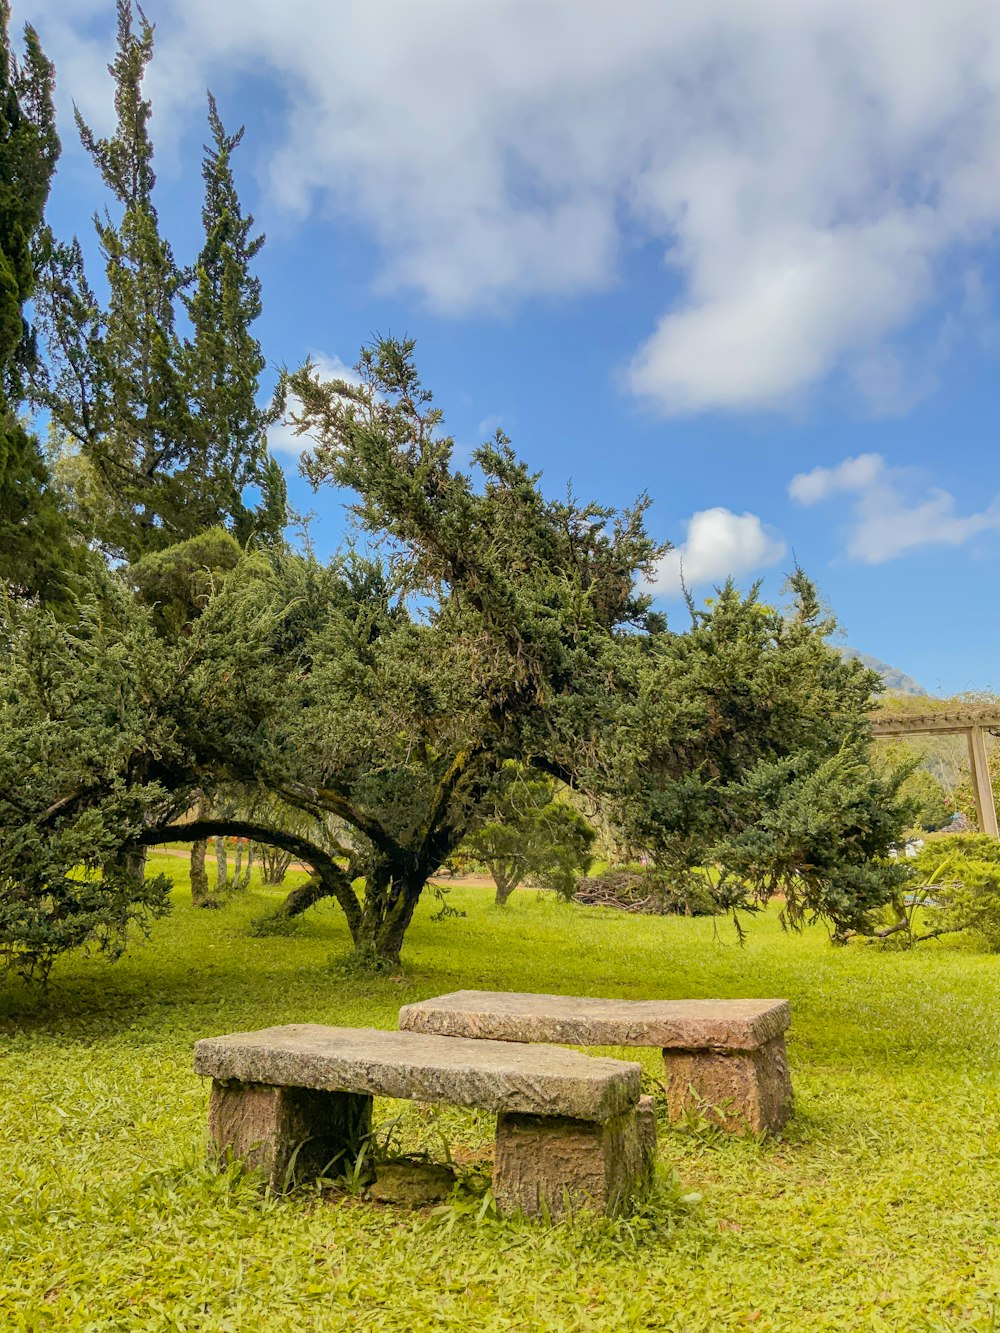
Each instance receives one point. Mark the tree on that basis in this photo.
(744, 746)
(223, 361)
(918, 785)
(488, 625)
(528, 833)
(388, 696)
(77, 730)
(167, 430)
(36, 554)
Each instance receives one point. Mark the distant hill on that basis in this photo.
(895, 680)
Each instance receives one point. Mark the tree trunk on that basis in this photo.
(506, 882)
(241, 872)
(201, 894)
(388, 911)
(221, 866)
(132, 860)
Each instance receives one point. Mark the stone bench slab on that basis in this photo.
(499, 1076)
(676, 1025)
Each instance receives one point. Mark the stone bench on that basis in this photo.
(297, 1101)
(724, 1059)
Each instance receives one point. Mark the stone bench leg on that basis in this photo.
(554, 1163)
(291, 1134)
(743, 1091)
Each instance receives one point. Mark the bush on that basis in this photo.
(962, 875)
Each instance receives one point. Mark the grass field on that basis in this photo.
(878, 1208)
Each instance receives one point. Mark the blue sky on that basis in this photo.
(741, 257)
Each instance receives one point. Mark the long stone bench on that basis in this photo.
(297, 1101)
(724, 1059)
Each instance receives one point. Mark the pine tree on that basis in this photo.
(224, 361)
(167, 427)
(35, 552)
(138, 371)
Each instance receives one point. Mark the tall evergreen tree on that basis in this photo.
(223, 360)
(35, 553)
(167, 427)
(138, 454)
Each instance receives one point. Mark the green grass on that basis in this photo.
(878, 1208)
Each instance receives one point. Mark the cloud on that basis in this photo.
(719, 544)
(892, 510)
(488, 427)
(803, 168)
(282, 439)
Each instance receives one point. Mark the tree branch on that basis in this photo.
(330, 874)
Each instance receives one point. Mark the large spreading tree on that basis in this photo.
(383, 695)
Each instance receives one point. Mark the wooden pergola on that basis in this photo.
(973, 723)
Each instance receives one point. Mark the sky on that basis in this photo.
(741, 257)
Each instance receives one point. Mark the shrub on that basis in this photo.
(963, 877)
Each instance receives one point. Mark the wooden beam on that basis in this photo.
(902, 724)
(981, 784)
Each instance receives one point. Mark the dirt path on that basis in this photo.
(460, 881)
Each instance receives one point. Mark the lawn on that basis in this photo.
(878, 1208)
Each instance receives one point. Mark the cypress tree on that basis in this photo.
(167, 427)
(35, 552)
(224, 361)
(137, 444)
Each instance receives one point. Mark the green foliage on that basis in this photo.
(37, 558)
(76, 732)
(111, 1219)
(934, 808)
(166, 428)
(528, 833)
(178, 582)
(744, 745)
(962, 873)
(918, 786)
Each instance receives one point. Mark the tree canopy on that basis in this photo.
(487, 625)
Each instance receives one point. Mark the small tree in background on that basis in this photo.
(933, 805)
(529, 834)
(962, 875)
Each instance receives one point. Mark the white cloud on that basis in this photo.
(892, 510)
(718, 544)
(803, 166)
(488, 427)
(282, 439)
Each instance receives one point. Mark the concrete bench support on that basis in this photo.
(723, 1059)
(290, 1134)
(547, 1162)
(296, 1102)
(742, 1091)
